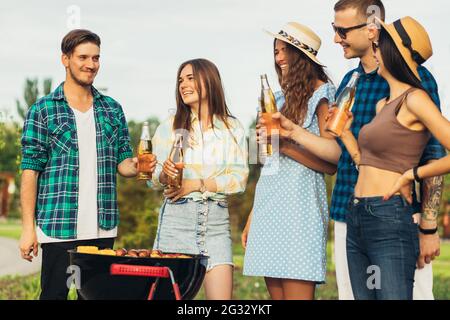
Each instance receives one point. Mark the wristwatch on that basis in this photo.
(428, 231)
(202, 187)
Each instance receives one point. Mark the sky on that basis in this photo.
(144, 42)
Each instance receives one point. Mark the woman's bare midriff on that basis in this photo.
(374, 182)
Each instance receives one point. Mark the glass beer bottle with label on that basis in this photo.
(177, 157)
(344, 103)
(268, 107)
(145, 156)
(262, 145)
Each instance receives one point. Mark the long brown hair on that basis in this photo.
(299, 83)
(203, 71)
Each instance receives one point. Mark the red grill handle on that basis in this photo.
(143, 271)
(147, 271)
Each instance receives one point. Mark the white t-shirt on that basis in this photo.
(87, 220)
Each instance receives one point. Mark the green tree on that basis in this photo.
(240, 205)
(135, 128)
(9, 146)
(31, 94)
(10, 153)
(10, 132)
(139, 205)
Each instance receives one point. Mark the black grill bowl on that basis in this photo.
(96, 283)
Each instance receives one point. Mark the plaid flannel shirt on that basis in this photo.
(370, 89)
(50, 146)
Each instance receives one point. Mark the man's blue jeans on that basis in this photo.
(382, 248)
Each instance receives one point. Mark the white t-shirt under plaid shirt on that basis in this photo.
(87, 217)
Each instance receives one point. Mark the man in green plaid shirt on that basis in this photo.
(74, 142)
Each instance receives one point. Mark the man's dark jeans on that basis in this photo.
(55, 261)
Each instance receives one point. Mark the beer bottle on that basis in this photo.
(145, 154)
(177, 157)
(261, 146)
(344, 102)
(268, 107)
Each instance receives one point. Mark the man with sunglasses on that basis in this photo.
(356, 34)
(342, 32)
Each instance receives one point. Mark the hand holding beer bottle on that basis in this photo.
(287, 128)
(173, 166)
(348, 124)
(146, 160)
(344, 103)
(268, 108)
(261, 136)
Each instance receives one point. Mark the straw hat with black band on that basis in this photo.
(412, 40)
(301, 37)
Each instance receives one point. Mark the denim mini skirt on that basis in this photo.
(196, 227)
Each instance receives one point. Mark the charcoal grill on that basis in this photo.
(104, 277)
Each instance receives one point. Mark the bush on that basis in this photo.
(139, 207)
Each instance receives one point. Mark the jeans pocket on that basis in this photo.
(223, 204)
(387, 212)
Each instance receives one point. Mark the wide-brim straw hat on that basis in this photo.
(301, 37)
(412, 40)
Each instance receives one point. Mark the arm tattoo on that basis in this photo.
(431, 197)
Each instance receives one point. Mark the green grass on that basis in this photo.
(24, 288)
(27, 288)
(254, 288)
(245, 288)
(441, 265)
(10, 229)
(19, 288)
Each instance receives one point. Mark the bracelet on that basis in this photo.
(416, 176)
(428, 231)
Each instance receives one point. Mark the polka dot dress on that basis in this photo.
(288, 232)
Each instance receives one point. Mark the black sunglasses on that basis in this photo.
(342, 32)
(375, 46)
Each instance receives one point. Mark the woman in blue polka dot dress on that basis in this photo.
(286, 232)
